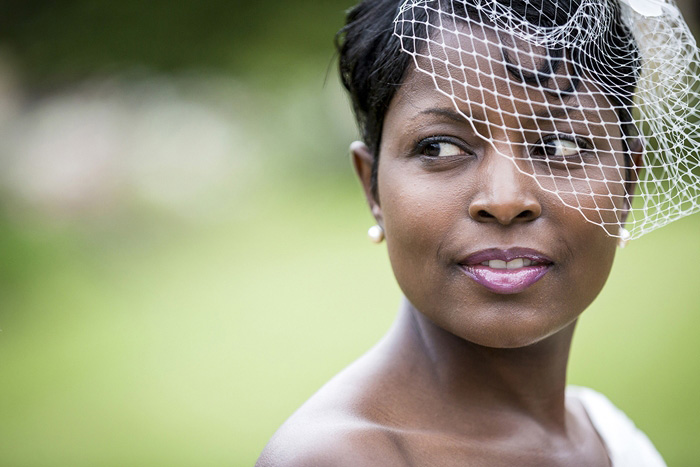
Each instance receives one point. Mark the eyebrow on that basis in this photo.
(451, 114)
(445, 112)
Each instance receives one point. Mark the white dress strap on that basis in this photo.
(627, 446)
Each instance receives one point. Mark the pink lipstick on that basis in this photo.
(508, 271)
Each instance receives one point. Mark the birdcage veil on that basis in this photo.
(597, 99)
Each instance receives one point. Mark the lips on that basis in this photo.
(508, 271)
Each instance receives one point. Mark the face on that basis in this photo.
(476, 244)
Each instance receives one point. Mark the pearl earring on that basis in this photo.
(624, 237)
(376, 234)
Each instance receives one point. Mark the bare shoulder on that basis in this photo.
(330, 440)
(348, 422)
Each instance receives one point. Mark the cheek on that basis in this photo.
(597, 251)
(420, 215)
(599, 194)
(591, 255)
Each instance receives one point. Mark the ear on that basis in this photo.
(636, 148)
(362, 161)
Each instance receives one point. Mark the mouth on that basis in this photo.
(506, 271)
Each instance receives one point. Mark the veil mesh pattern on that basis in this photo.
(595, 100)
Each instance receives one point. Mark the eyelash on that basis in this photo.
(422, 146)
(582, 145)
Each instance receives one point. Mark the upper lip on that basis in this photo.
(508, 254)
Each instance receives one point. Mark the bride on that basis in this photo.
(501, 151)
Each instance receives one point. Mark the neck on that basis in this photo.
(528, 381)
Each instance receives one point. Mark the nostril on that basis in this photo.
(504, 211)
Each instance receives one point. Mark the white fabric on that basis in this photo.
(627, 446)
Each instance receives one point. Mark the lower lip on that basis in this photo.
(506, 281)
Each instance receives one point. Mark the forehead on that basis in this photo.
(490, 75)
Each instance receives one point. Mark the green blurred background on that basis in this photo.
(183, 258)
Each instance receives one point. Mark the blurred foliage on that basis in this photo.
(55, 42)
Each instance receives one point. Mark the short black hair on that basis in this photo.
(373, 66)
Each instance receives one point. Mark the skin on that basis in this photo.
(465, 376)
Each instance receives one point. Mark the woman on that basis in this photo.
(500, 156)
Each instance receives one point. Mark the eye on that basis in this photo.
(560, 147)
(440, 149)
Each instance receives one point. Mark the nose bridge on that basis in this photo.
(501, 173)
(505, 195)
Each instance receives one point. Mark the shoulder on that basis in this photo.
(350, 421)
(627, 445)
(330, 440)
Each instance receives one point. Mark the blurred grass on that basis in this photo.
(172, 345)
(159, 351)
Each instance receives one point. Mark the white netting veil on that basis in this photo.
(596, 100)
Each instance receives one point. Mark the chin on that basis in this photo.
(515, 340)
(504, 327)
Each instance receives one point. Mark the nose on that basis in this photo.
(505, 195)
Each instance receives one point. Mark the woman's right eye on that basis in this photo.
(441, 149)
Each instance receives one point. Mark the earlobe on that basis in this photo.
(362, 161)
